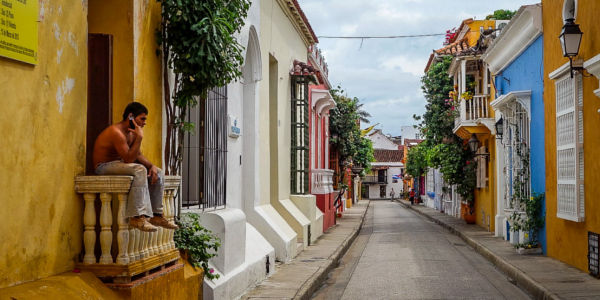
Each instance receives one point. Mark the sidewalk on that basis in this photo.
(543, 277)
(300, 278)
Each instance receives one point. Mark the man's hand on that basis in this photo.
(138, 131)
(153, 174)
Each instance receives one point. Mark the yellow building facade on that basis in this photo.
(44, 121)
(567, 236)
(476, 117)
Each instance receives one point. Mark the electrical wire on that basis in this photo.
(379, 37)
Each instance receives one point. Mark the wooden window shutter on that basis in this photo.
(569, 149)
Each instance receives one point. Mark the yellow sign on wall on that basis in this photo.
(19, 30)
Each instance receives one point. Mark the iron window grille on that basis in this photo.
(300, 134)
(593, 254)
(205, 153)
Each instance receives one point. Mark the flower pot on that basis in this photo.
(466, 214)
(529, 251)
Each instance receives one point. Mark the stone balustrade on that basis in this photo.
(321, 181)
(123, 251)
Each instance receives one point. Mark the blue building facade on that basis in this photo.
(525, 73)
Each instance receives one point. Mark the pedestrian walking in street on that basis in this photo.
(392, 194)
(412, 196)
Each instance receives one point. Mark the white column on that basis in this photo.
(89, 234)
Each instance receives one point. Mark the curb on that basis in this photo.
(522, 280)
(310, 287)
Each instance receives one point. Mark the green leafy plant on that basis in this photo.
(442, 148)
(501, 14)
(198, 44)
(197, 242)
(345, 131)
(527, 215)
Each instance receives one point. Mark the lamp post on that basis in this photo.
(570, 40)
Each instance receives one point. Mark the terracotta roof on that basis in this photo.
(387, 155)
(296, 8)
(454, 49)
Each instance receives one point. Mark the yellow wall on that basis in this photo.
(137, 71)
(567, 241)
(485, 199)
(279, 38)
(148, 75)
(43, 147)
(44, 125)
(474, 33)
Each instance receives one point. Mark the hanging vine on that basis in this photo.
(198, 45)
(527, 215)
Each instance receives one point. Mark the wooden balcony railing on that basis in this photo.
(123, 251)
(475, 108)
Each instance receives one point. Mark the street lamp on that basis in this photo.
(499, 128)
(474, 145)
(570, 40)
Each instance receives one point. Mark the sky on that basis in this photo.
(386, 74)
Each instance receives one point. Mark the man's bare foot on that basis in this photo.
(142, 224)
(162, 222)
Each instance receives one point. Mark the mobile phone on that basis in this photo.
(131, 125)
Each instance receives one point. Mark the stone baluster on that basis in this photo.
(136, 245)
(166, 232)
(123, 233)
(131, 246)
(155, 241)
(89, 234)
(150, 246)
(145, 240)
(172, 217)
(162, 233)
(106, 230)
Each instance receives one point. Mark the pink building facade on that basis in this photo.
(321, 174)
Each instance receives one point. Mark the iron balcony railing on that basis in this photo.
(374, 179)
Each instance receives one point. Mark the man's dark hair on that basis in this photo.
(134, 108)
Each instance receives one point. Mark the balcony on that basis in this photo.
(375, 179)
(473, 113)
(321, 181)
(123, 252)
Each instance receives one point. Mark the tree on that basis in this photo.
(501, 14)
(198, 45)
(442, 148)
(345, 130)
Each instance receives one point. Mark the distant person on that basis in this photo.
(117, 152)
(392, 194)
(412, 196)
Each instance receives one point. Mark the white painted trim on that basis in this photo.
(592, 65)
(559, 72)
(524, 28)
(523, 97)
(257, 61)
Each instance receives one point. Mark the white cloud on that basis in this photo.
(386, 74)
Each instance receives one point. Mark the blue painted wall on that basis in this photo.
(526, 73)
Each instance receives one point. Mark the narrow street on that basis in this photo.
(400, 255)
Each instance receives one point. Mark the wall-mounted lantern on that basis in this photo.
(570, 40)
(499, 128)
(474, 145)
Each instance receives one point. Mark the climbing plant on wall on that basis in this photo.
(198, 45)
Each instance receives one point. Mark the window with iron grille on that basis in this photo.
(593, 254)
(569, 148)
(205, 153)
(300, 135)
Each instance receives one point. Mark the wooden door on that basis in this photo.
(99, 100)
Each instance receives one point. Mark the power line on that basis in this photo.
(379, 37)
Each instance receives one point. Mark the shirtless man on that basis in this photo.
(117, 152)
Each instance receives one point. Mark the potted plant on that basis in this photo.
(196, 243)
